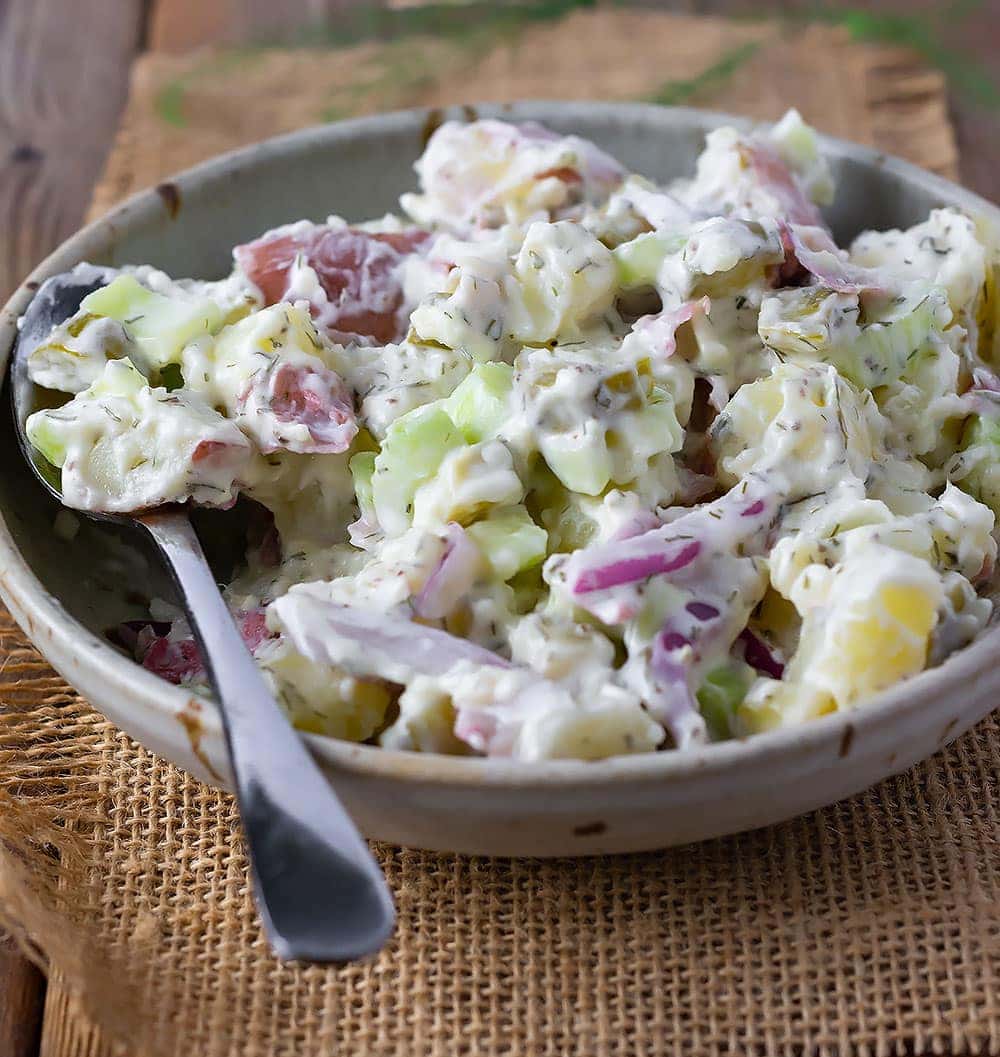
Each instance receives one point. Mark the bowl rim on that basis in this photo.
(44, 619)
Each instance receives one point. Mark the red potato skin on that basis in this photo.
(358, 270)
(179, 661)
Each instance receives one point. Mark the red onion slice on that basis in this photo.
(450, 581)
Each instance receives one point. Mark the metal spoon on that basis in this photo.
(319, 890)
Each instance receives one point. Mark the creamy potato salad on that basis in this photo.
(558, 462)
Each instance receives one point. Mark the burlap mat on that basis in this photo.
(872, 927)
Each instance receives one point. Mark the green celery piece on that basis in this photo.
(120, 378)
(882, 351)
(983, 481)
(720, 695)
(412, 451)
(160, 326)
(882, 347)
(801, 145)
(659, 429)
(479, 404)
(639, 261)
(585, 468)
(509, 541)
(46, 429)
(362, 468)
(981, 429)
(46, 436)
(660, 598)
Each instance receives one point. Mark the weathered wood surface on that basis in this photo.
(22, 996)
(64, 70)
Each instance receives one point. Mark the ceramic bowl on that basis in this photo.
(66, 594)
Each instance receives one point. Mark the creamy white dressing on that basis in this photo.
(642, 466)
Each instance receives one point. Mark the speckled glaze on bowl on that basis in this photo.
(65, 595)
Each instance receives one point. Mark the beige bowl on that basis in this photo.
(66, 594)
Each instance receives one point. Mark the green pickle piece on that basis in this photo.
(120, 378)
(720, 695)
(412, 451)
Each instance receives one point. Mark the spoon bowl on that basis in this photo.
(57, 299)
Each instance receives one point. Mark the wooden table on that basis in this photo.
(64, 69)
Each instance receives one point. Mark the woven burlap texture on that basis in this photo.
(872, 927)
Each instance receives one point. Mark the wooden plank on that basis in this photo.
(68, 1031)
(22, 997)
(63, 80)
(181, 25)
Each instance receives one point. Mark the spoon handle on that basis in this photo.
(319, 890)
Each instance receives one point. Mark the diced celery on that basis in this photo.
(798, 146)
(160, 326)
(885, 345)
(47, 429)
(120, 378)
(411, 453)
(362, 468)
(812, 323)
(582, 464)
(479, 404)
(982, 481)
(981, 429)
(660, 600)
(638, 262)
(120, 299)
(45, 435)
(510, 541)
(644, 433)
(720, 695)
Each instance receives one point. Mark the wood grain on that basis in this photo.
(68, 1031)
(64, 70)
(64, 67)
(22, 997)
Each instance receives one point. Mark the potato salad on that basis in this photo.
(557, 461)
